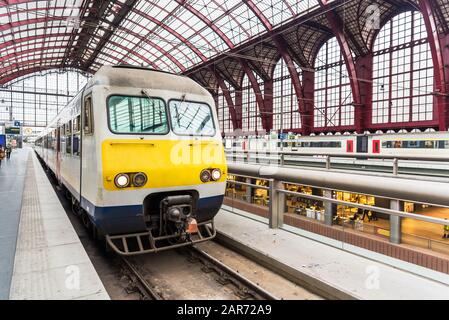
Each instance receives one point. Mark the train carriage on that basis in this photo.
(141, 154)
(388, 144)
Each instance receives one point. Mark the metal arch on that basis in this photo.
(441, 74)
(29, 38)
(246, 69)
(21, 53)
(20, 23)
(173, 32)
(266, 23)
(66, 34)
(125, 8)
(26, 71)
(4, 3)
(209, 23)
(56, 35)
(46, 72)
(27, 54)
(337, 28)
(256, 88)
(46, 19)
(151, 43)
(227, 95)
(281, 46)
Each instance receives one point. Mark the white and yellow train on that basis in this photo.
(141, 155)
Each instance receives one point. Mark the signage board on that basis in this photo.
(12, 130)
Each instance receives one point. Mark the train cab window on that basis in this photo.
(137, 115)
(191, 118)
(68, 140)
(76, 136)
(88, 116)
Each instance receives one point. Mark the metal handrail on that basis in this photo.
(404, 189)
(346, 155)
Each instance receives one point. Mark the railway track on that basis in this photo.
(138, 283)
(246, 288)
(142, 282)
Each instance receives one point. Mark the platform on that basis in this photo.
(42, 256)
(334, 272)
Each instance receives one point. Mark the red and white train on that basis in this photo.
(391, 144)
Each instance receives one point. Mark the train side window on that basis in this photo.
(88, 117)
(68, 140)
(428, 144)
(76, 135)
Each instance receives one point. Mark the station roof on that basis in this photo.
(194, 37)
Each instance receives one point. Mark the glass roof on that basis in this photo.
(169, 35)
(178, 36)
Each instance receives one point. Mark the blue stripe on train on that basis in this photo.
(129, 219)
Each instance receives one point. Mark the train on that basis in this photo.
(140, 154)
(413, 144)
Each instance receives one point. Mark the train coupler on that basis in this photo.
(146, 242)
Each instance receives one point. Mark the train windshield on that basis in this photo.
(191, 118)
(137, 115)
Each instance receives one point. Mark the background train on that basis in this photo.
(399, 144)
(142, 157)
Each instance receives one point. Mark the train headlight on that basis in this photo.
(216, 174)
(121, 180)
(205, 176)
(139, 179)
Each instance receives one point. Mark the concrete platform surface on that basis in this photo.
(324, 266)
(50, 261)
(12, 177)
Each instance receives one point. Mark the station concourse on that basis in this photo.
(291, 149)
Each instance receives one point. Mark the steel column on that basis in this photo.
(238, 108)
(256, 88)
(395, 222)
(330, 209)
(227, 96)
(363, 112)
(268, 102)
(307, 122)
(276, 206)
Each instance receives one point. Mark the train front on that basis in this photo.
(164, 171)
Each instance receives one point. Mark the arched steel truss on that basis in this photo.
(221, 40)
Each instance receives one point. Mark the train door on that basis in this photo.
(376, 146)
(58, 153)
(349, 146)
(362, 144)
(87, 150)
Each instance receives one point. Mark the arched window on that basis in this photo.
(251, 120)
(224, 116)
(285, 103)
(402, 71)
(333, 96)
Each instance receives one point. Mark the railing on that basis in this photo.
(249, 156)
(396, 190)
